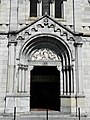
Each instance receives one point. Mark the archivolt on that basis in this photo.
(56, 44)
(60, 48)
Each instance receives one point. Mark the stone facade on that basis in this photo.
(26, 42)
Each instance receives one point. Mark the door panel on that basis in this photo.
(45, 89)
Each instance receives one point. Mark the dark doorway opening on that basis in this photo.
(45, 88)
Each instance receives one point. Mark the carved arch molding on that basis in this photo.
(40, 50)
(46, 48)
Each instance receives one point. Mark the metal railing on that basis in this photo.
(14, 113)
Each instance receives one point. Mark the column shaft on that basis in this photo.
(20, 80)
(11, 66)
(23, 80)
(78, 68)
(52, 9)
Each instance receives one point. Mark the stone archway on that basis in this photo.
(45, 88)
(49, 51)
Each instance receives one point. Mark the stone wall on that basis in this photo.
(3, 70)
(86, 72)
(82, 18)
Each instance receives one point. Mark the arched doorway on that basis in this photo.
(47, 53)
(45, 88)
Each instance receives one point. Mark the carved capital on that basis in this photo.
(39, 1)
(21, 66)
(52, 1)
(78, 44)
(12, 42)
(12, 37)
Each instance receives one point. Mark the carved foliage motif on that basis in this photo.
(45, 54)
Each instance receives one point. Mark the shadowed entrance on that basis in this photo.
(45, 88)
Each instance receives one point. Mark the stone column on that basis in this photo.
(39, 8)
(11, 63)
(29, 83)
(52, 8)
(68, 81)
(19, 80)
(78, 67)
(29, 7)
(64, 80)
(61, 79)
(13, 15)
(23, 80)
(29, 76)
(72, 80)
(78, 15)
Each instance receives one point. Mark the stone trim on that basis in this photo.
(72, 96)
(21, 95)
(12, 42)
(21, 66)
(78, 44)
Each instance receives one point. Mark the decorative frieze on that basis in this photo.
(46, 25)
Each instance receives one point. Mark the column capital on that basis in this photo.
(39, 1)
(12, 37)
(12, 42)
(21, 66)
(52, 1)
(78, 44)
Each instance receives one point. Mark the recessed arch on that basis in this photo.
(53, 42)
(55, 45)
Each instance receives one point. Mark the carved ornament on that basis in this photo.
(45, 54)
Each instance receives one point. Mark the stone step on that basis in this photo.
(44, 113)
(43, 117)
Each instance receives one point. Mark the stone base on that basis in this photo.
(22, 104)
(69, 104)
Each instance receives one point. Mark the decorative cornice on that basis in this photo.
(72, 96)
(3, 33)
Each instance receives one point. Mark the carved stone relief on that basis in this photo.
(44, 54)
(43, 25)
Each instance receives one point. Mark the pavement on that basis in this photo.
(43, 118)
